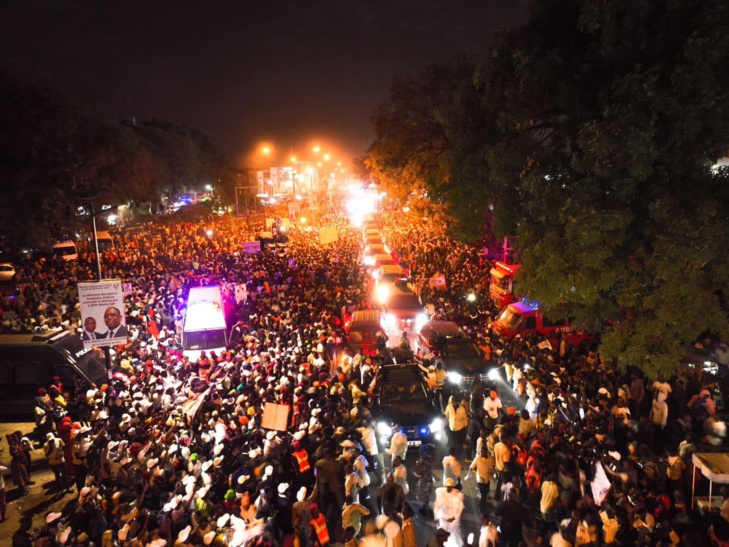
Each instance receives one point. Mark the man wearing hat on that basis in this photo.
(448, 508)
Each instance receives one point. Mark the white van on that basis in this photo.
(106, 241)
(66, 250)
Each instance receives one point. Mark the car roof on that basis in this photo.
(446, 328)
(522, 307)
(366, 316)
(402, 370)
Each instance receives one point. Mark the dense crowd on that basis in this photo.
(173, 451)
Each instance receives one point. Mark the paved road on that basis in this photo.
(26, 513)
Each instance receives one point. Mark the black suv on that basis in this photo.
(461, 358)
(402, 397)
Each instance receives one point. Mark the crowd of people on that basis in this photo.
(174, 451)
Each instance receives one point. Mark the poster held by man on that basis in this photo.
(102, 313)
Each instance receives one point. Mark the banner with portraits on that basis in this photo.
(102, 313)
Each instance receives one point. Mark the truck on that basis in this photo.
(525, 317)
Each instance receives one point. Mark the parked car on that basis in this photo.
(7, 272)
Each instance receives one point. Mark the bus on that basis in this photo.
(204, 328)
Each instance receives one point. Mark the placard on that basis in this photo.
(328, 234)
(438, 281)
(600, 485)
(251, 247)
(102, 313)
(275, 417)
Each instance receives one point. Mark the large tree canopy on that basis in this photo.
(53, 155)
(593, 137)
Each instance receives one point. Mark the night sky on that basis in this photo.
(290, 72)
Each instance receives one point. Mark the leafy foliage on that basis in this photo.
(53, 156)
(591, 130)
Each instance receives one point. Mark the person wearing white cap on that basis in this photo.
(448, 508)
(53, 449)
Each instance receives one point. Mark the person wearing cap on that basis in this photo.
(319, 531)
(304, 473)
(448, 508)
(53, 449)
(301, 515)
(19, 462)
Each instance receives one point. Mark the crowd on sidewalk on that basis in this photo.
(173, 452)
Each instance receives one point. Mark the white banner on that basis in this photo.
(600, 484)
(102, 313)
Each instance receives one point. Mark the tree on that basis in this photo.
(37, 127)
(591, 131)
(615, 113)
(411, 134)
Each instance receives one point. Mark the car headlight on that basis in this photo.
(420, 320)
(383, 293)
(436, 425)
(454, 378)
(383, 428)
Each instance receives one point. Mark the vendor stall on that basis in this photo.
(715, 467)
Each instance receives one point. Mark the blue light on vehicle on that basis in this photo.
(424, 431)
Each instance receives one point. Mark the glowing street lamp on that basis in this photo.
(327, 157)
(266, 150)
(316, 149)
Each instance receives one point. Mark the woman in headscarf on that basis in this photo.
(20, 463)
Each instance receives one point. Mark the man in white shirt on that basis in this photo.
(398, 444)
(400, 472)
(492, 406)
(448, 508)
(457, 417)
(484, 467)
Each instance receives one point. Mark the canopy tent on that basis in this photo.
(714, 466)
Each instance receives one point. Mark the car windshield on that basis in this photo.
(92, 365)
(63, 251)
(403, 301)
(413, 392)
(509, 318)
(357, 336)
(88, 360)
(390, 278)
(460, 349)
(205, 339)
